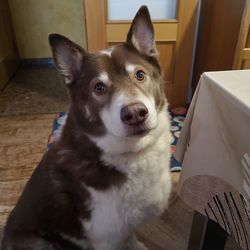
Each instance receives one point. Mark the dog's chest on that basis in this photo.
(117, 211)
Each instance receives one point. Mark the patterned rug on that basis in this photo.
(177, 119)
(177, 116)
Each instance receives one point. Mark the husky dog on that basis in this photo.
(108, 173)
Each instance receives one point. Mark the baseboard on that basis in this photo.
(38, 62)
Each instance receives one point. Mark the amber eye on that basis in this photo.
(140, 75)
(100, 88)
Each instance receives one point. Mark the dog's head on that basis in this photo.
(115, 93)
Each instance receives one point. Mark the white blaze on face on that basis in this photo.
(104, 77)
(107, 52)
(130, 68)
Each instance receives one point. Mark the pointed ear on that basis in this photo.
(141, 33)
(67, 57)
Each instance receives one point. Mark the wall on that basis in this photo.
(33, 20)
(8, 52)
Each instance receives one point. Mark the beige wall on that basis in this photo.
(33, 20)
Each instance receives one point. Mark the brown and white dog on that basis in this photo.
(108, 173)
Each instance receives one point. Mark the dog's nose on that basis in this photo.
(134, 114)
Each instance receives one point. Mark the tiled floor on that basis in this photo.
(34, 90)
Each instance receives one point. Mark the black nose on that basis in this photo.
(134, 113)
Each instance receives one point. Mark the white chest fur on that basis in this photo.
(118, 211)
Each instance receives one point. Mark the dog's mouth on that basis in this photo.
(138, 131)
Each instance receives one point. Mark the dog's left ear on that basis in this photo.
(141, 33)
(68, 57)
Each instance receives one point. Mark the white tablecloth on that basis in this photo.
(214, 148)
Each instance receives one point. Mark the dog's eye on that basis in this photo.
(100, 88)
(140, 75)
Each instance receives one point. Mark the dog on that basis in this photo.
(108, 173)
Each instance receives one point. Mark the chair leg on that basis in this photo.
(206, 234)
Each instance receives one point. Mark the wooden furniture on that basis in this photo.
(8, 51)
(222, 25)
(174, 39)
(206, 234)
(242, 53)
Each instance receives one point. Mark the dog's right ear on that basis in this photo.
(67, 56)
(141, 33)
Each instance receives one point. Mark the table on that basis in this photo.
(214, 148)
